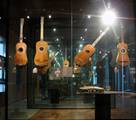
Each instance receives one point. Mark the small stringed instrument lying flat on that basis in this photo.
(122, 57)
(20, 57)
(41, 56)
(84, 56)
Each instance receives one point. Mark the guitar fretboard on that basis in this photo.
(42, 28)
(100, 36)
(122, 32)
(21, 29)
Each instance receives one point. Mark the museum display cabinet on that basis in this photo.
(68, 54)
(3, 80)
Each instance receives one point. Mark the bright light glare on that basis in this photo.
(73, 75)
(49, 16)
(57, 39)
(81, 37)
(85, 29)
(108, 18)
(54, 29)
(81, 45)
(28, 17)
(88, 16)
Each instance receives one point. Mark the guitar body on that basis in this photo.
(20, 57)
(89, 49)
(41, 56)
(122, 57)
(81, 59)
(84, 57)
(66, 63)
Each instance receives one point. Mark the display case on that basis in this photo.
(2, 76)
(69, 54)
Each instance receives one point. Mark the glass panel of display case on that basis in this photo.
(2, 87)
(81, 58)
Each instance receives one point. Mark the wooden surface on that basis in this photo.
(80, 114)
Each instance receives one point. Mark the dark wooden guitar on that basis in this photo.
(122, 57)
(41, 56)
(20, 57)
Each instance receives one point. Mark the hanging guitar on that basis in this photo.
(41, 56)
(20, 57)
(122, 57)
(66, 62)
(85, 55)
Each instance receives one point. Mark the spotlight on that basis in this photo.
(49, 16)
(57, 39)
(54, 29)
(109, 17)
(88, 16)
(28, 17)
(81, 45)
(85, 29)
(73, 75)
(94, 67)
(81, 37)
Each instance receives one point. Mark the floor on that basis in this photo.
(125, 109)
(80, 114)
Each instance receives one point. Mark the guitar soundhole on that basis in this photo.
(87, 51)
(20, 49)
(41, 48)
(123, 51)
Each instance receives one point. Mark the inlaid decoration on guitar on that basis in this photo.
(20, 57)
(122, 57)
(41, 56)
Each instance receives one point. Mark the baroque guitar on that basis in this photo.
(122, 57)
(41, 56)
(20, 57)
(85, 55)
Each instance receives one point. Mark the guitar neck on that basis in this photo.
(100, 36)
(21, 29)
(42, 28)
(122, 33)
(66, 53)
